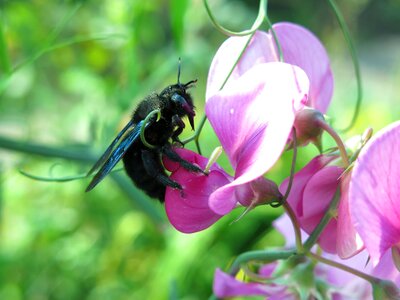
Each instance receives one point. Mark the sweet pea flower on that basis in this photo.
(374, 193)
(300, 47)
(254, 113)
(188, 210)
(312, 191)
(253, 117)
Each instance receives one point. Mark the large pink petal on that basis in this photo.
(300, 181)
(348, 241)
(260, 50)
(188, 210)
(253, 118)
(374, 193)
(302, 48)
(317, 196)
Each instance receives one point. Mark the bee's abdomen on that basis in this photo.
(135, 169)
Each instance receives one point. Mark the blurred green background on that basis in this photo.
(71, 72)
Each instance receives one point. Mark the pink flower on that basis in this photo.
(374, 193)
(312, 191)
(253, 117)
(254, 112)
(188, 210)
(300, 47)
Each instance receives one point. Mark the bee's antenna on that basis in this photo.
(179, 70)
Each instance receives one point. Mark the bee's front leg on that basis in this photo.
(179, 125)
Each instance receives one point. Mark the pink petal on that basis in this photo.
(317, 196)
(227, 286)
(187, 155)
(300, 181)
(188, 210)
(374, 193)
(386, 269)
(348, 241)
(253, 118)
(260, 50)
(300, 47)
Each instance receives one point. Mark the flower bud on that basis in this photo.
(257, 192)
(307, 127)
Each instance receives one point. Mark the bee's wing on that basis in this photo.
(111, 157)
(110, 148)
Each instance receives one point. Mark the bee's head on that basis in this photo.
(183, 101)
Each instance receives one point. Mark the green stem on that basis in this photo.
(144, 126)
(201, 125)
(292, 169)
(78, 154)
(83, 155)
(338, 140)
(340, 266)
(354, 57)
(312, 239)
(296, 227)
(262, 12)
(260, 255)
(276, 40)
(286, 206)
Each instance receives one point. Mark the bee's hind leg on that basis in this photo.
(153, 167)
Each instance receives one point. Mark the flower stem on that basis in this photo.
(262, 255)
(276, 40)
(343, 267)
(257, 23)
(84, 155)
(292, 167)
(312, 239)
(296, 227)
(354, 58)
(338, 140)
(286, 206)
(145, 123)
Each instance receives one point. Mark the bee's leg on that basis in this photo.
(172, 155)
(177, 122)
(153, 167)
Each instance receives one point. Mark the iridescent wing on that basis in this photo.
(114, 152)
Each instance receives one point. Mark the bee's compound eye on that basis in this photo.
(179, 100)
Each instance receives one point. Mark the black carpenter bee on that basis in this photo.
(160, 116)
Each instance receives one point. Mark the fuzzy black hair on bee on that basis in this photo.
(142, 156)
